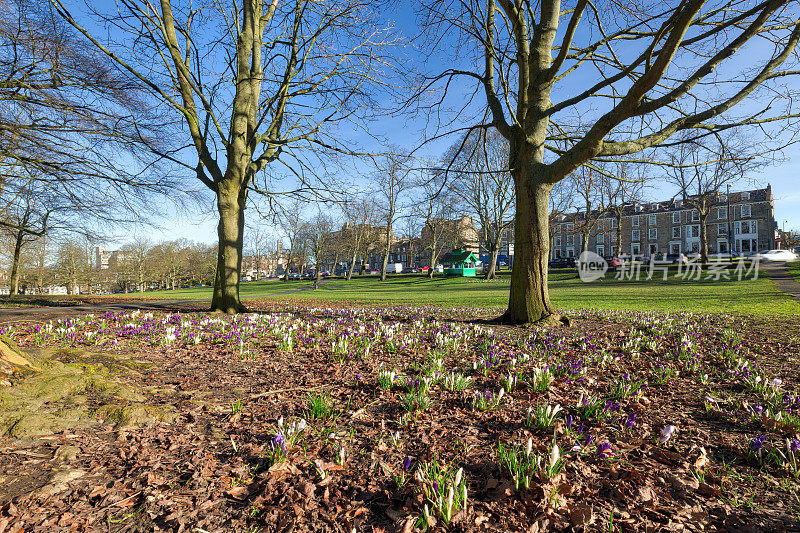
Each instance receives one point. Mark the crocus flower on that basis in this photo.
(757, 443)
(570, 420)
(555, 455)
(630, 421)
(793, 445)
(666, 433)
(407, 463)
(604, 450)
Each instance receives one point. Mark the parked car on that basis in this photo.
(562, 262)
(723, 256)
(776, 255)
(677, 259)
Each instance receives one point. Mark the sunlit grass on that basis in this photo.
(567, 291)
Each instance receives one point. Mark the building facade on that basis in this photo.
(743, 222)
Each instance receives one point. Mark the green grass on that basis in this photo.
(759, 296)
(794, 269)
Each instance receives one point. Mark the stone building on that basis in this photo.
(459, 233)
(743, 222)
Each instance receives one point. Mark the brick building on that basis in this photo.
(671, 227)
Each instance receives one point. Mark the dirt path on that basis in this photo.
(778, 273)
(43, 313)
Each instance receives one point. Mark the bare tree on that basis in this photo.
(560, 199)
(317, 234)
(72, 263)
(610, 103)
(483, 184)
(290, 219)
(435, 208)
(587, 187)
(393, 183)
(621, 193)
(701, 171)
(136, 260)
(254, 82)
(358, 233)
(70, 124)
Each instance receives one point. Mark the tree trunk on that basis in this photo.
(494, 253)
(703, 238)
(585, 243)
(529, 299)
(433, 260)
(14, 289)
(230, 204)
(352, 266)
(385, 264)
(619, 233)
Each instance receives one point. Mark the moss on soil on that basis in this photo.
(74, 388)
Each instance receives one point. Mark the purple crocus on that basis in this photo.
(604, 450)
(630, 421)
(757, 443)
(407, 463)
(794, 445)
(278, 441)
(589, 439)
(570, 421)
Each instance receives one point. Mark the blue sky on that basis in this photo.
(407, 132)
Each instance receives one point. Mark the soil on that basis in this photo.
(213, 464)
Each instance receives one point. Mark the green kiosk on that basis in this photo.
(459, 263)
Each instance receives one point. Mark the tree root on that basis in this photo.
(547, 321)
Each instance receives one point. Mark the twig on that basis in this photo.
(135, 494)
(277, 391)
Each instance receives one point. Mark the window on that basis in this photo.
(746, 211)
(570, 252)
(557, 241)
(746, 227)
(745, 196)
(676, 232)
(674, 247)
(570, 240)
(635, 235)
(695, 215)
(635, 221)
(692, 232)
(651, 220)
(676, 217)
(652, 234)
(600, 238)
(722, 246)
(653, 249)
(635, 249)
(601, 251)
(722, 229)
(570, 226)
(679, 203)
(613, 223)
(722, 212)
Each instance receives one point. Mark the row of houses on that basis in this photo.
(742, 221)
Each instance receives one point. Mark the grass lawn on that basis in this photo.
(794, 269)
(759, 296)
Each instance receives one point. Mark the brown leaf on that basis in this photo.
(241, 492)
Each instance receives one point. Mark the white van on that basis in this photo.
(394, 268)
